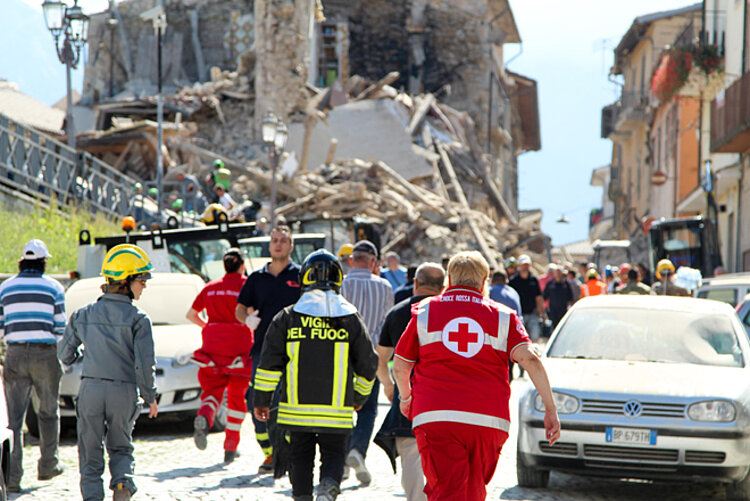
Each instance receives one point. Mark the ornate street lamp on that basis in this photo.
(69, 27)
(274, 133)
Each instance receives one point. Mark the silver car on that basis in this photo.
(646, 387)
(166, 300)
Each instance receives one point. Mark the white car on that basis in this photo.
(166, 300)
(651, 387)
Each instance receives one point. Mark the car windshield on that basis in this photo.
(648, 335)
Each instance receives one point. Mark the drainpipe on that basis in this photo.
(744, 37)
(738, 266)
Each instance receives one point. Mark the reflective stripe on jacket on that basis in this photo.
(328, 366)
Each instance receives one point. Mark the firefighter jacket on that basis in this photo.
(321, 347)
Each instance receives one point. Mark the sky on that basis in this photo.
(567, 48)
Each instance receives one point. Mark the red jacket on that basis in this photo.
(460, 343)
(224, 338)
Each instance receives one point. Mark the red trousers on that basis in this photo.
(458, 459)
(213, 381)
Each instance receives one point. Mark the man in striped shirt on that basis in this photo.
(373, 297)
(32, 319)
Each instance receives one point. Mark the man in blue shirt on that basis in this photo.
(393, 271)
(503, 293)
(32, 320)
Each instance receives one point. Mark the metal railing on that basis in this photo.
(40, 167)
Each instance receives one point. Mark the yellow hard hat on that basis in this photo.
(592, 273)
(345, 250)
(212, 212)
(661, 266)
(126, 260)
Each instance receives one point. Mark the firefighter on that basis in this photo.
(224, 359)
(119, 363)
(321, 347)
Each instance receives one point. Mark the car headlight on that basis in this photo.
(566, 404)
(712, 410)
(182, 360)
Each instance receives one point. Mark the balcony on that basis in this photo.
(730, 118)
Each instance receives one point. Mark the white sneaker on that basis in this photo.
(345, 476)
(356, 461)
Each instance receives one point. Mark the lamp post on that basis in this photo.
(274, 133)
(69, 27)
(158, 18)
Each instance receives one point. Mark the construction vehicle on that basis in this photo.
(686, 241)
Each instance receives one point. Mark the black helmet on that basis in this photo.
(321, 270)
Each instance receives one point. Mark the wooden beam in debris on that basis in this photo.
(372, 89)
(410, 187)
(422, 107)
(483, 246)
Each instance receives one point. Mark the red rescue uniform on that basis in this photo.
(224, 357)
(460, 343)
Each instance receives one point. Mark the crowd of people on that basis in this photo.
(305, 349)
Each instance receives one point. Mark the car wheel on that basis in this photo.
(528, 476)
(739, 491)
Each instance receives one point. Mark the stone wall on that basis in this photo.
(133, 45)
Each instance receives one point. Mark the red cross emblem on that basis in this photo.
(463, 336)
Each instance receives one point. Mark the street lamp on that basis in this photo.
(158, 17)
(274, 133)
(71, 26)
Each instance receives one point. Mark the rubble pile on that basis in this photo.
(433, 196)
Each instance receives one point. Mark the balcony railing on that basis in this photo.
(730, 118)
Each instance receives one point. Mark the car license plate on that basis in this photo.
(633, 436)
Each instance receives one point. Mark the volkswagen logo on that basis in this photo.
(632, 408)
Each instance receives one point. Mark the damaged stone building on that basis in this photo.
(413, 84)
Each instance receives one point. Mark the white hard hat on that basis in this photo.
(35, 249)
(524, 259)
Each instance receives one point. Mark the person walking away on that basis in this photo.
(559, 294)
(622, 272)
(393, 271)
(503, 293)
(593, 286)
(452, 342)
(319, 350)
(634, 286)
(507, 295)
(373, 297)
(224, 357)
(266, 292)
(119, 363)
(32, 319)
(532, 304)
(665, 271)
(406, 290)
(575, 285)
(395, 436)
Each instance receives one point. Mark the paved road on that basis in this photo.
(169, 467)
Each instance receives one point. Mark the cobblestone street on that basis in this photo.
(169, 467)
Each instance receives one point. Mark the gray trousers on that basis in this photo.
(106, 410)
(412, 478)
(27, 366)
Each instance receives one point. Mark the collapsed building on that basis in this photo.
(401, 112)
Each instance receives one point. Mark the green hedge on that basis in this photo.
(59, 230)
